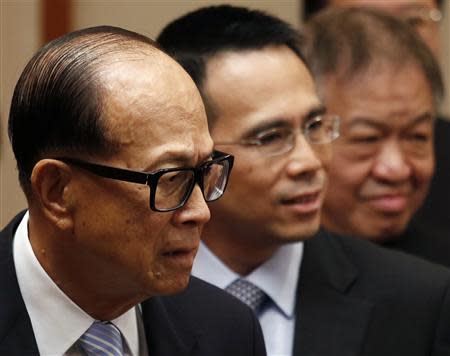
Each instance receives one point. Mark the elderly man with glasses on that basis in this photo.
(314, 295)
(117, 164)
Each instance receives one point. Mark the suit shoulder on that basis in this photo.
(425, 240)
(379, 262)
(443, 123)
(11, 227)
(209, 297)
(228, 326)
(406, 299)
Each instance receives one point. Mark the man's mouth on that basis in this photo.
(302, 199)
(176, 253)
(180, 257)
(389, 203)
(305, 203)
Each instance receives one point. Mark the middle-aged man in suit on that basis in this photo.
(115, 159)
(326, 295)
(423, 16)
(376, 74)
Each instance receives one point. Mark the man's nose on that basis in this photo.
(391, 165)
(303, 160)
(195, 211)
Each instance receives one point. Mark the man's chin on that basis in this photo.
(386, 232)
(167, 285)
(290, 235)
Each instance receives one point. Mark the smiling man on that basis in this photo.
(314, 294)
(406, 91)
(114, 156)
(383, 161)
(387, 150)
(386, 86)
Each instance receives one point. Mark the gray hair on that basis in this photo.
(347, 41)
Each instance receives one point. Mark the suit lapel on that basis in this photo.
(19, 338)
(165, 336)
(328, 320)
(16, 332)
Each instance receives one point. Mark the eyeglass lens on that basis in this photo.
(174, 188)
(214, 180)
(321, 131)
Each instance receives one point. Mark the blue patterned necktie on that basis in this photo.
(102, 339)
(248, 293)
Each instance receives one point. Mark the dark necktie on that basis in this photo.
(248, 293)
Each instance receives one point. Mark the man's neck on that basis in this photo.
(92, 289)
(240, 252)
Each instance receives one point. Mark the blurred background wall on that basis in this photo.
(26, 24)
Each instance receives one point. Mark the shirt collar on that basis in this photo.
(209, 268)
(56, 320)
(277, 277)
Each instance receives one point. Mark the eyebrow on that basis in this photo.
(365, 121)
(320, 110)
(427, 116)
(264, 126)
(179, 158)
(414, 6)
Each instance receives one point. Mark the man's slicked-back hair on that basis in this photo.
(199, 35)
(57, 102)
(346, 41)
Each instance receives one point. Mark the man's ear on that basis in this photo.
(50, 184)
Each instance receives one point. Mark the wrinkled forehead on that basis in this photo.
(149, 89)
(149, 76)
(388, 5)
(148, 67)
(379, 71)
(360, 96)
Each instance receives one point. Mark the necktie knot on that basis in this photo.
(102, 338)
(248, 293)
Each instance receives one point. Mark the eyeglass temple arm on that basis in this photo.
(110, 172)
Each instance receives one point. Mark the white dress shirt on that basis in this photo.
(56, 320)
(277, 277)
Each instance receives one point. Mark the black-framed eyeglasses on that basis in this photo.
(320, 129)
(170, 188)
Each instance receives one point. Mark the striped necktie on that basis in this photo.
(102, 339)
(248, 293)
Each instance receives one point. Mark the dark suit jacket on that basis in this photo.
(356, 298)
(435, 208)
(429, 242)
(202, 320)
